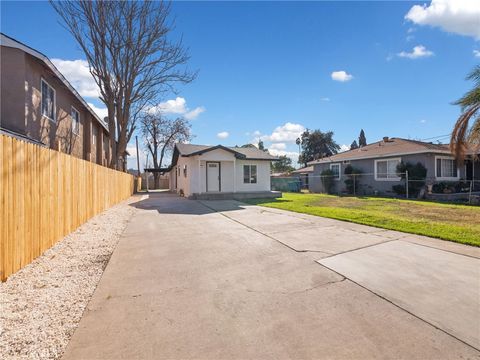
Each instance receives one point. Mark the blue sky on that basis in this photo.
(269, 69)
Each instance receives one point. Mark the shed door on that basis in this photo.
(213, 176)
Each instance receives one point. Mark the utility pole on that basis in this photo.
(138, 156)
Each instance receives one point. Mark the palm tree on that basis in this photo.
(463, 134)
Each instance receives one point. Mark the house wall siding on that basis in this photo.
(263, 175)
(12, 87)
(367, 183)
(21, 75)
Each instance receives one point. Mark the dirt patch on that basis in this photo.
(42, 304)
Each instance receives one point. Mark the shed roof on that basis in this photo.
(304, 170)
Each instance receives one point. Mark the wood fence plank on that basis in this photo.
(45, 195)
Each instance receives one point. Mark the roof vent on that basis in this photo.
(386, 139)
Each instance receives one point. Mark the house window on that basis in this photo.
(75, 121)
(94, 135)
(335, 168)
(185, 170)
(249, 174)
(445, 168)
(387, 169)
(48, 100)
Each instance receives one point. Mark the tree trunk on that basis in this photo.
(156, 178)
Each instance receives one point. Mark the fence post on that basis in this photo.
(406, 181)
(470, 193)
(354, 190)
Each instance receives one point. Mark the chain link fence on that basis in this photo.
(400, 185)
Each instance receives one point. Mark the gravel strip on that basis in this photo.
(42, 304)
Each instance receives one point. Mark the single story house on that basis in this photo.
(220, 172)
(378, 163)
(304, 174)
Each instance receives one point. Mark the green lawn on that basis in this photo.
(459, 223)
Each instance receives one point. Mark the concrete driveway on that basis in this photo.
(222, 280)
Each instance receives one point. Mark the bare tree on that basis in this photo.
(131, 58)
(161, 134)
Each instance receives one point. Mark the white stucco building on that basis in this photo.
(219, 172)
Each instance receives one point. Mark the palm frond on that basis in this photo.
(462, 135)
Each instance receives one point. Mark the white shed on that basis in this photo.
(220, 172)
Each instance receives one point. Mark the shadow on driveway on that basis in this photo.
(168, 203)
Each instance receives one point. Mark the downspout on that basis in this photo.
(234, 174)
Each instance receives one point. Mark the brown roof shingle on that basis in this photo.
(391, 147)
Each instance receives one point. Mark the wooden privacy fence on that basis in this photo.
(45, 195)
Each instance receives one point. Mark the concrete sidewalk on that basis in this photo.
(219, 280)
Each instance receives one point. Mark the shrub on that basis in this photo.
(327, 180)
(417, 174)
(448, 187)
(351, 184)
(399, 189)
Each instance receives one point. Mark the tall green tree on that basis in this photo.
(317, 144)
(467, 128)
(284, 164)
(261, 146)
(362, 140)
(354, 145)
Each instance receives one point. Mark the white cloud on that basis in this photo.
(418, 51)
(454, 16)
(344, 147)
(78, 74)
(326, 99)
(132, 159)
(278, 146)
(288, 133)
(476, 53)
(101, 112)
(341, 76)
(423, 121)
(291, 154)
(223, 135)
(191, 115)
(177, 106)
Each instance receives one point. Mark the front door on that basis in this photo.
(469, 170)
(213, 176)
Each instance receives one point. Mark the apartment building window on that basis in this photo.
(75, 121)
(48, 100)
(249, 174)
(387, 169)
(445, 168)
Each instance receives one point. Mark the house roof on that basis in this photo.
(304, 170)
(7, 41)
(239, 152)
(386, 148)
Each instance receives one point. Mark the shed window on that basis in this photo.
(446, 168)
(249, 174)
(335, 168)
(48, 100)
(75, 121)
(386, 169)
